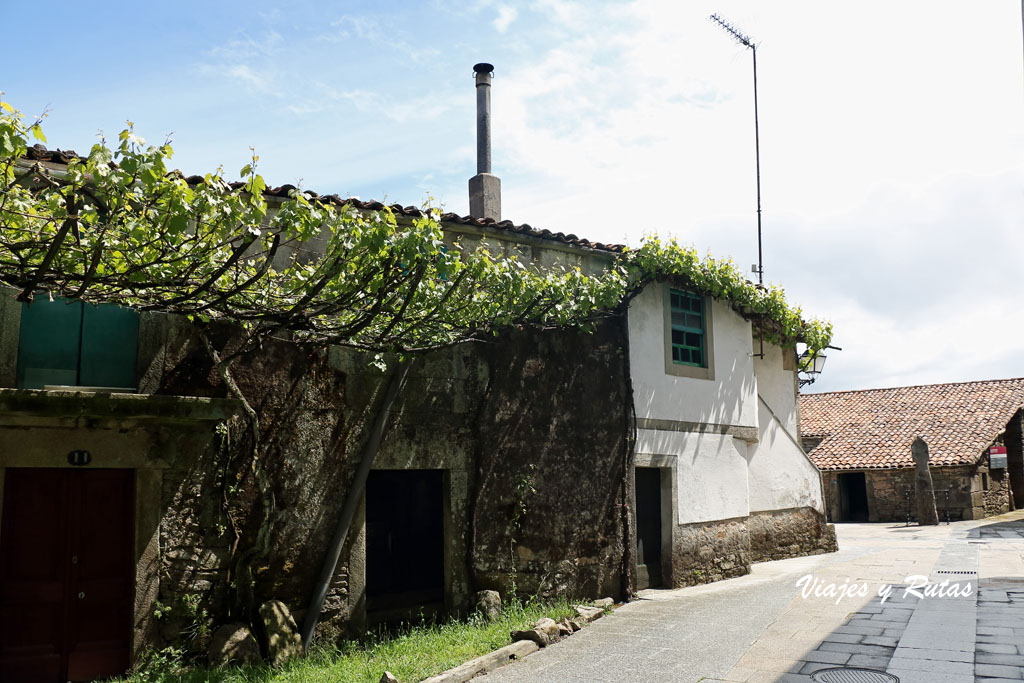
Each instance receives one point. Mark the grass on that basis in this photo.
(411, 653)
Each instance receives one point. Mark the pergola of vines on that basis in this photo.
(117, 225)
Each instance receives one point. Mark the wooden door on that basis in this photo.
(66, 574)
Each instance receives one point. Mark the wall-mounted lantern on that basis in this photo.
(810, 366)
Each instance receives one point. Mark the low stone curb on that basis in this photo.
(487, 662)
(517, 650)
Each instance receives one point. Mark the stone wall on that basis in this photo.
(888, 501)
(778, 534)
(991, 491)
(811, 442)
(887, 494)
(536, 423)
(553, 441)
(722, 549)
(710, 551)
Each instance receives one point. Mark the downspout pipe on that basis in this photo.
(348, 510)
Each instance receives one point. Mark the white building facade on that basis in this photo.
(721, 479)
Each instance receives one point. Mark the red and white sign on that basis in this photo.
(997, 457)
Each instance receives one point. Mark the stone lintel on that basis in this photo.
(39, 403)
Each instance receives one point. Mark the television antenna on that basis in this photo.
(744, 40)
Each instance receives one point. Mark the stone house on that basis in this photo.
(660, 449)
(860, 440)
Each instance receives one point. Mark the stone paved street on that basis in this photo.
(760, 629)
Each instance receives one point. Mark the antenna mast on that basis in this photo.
(745, 41)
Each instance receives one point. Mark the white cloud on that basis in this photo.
(378, 31)
(246, 74)
(506, 15)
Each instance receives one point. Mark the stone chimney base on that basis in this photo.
(485, 196)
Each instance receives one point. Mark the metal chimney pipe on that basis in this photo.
(483, 117)
(484, 188)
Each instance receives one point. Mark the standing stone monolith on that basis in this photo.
(926, 512)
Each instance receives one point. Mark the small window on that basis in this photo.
(689, 334)
(70, 343)
(687, 311)
(984, 482)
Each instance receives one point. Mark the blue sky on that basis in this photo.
(892, 134)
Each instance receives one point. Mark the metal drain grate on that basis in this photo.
(852, 674)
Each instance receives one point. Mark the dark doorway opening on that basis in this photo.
(648, 527)
(404, 544)
(66, 574)
(1015, 461)
(853, 497)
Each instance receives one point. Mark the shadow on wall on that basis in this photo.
(723, 404)
(212, 499)
(554, 436)
(538, 422)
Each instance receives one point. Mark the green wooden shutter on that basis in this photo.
(48, 349)
(71, 344)
(110, 341)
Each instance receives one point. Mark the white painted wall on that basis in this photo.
(780, 475)
(777, 386)
(729, 399)
(711, 472)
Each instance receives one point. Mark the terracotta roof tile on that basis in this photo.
(873, 429)
(41, 153)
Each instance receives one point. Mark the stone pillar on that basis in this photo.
(10, 326)
(926, 512)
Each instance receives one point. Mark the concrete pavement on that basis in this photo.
(762, 628)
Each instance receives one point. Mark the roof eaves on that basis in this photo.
(60, 157)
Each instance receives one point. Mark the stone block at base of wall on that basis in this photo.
(710, 551)
(779, 534)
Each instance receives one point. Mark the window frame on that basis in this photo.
(705, 371)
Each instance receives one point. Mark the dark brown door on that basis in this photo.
(66, 574)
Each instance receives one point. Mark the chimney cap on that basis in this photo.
(483, 68)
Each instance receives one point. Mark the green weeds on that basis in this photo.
(411, 652)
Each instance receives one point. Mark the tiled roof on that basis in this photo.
(41, 153)
(873, 429)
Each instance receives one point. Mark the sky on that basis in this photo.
(892, 134)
